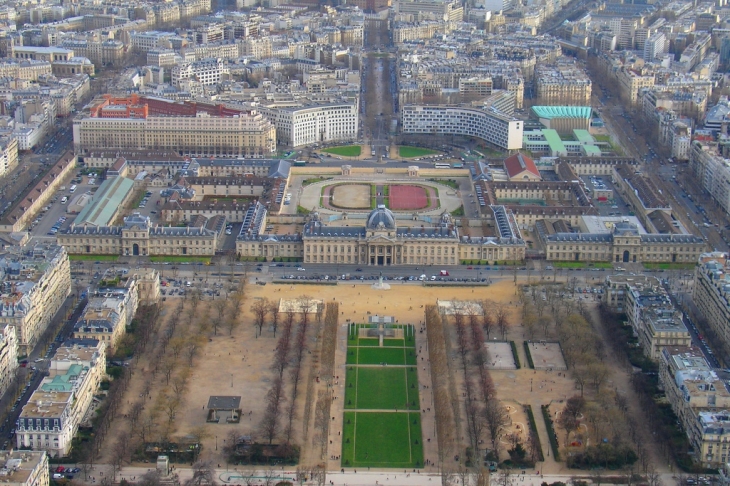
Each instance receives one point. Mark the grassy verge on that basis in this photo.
(551, 432)
(314, 180)
(179, 259)
(533, 428)
(446, 182)
(515, 355)
(529, 356)
(302, 210)
(94, 258)
(344, 150)
(569, 264)
(458, 211)
(603, 265)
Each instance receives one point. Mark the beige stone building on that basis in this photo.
(8, 357)
(199, 136)
(138, 236)
(380, 242)
(33, 289)
(564, 83)
(24, 468)
(623, 244)
(51, 418)
(711, 292)
(700, 398)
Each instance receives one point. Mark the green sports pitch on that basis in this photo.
(382, 425)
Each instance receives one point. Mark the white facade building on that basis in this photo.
(302, 125)
(490, 125)
(206, 71)
(53, 413)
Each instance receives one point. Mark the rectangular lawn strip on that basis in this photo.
(368, 342)
(383, 440)
(371, 355)
(411, 356)
(352, 354)
(351, 387)
(412, 384)
(393, 343)
(348, 438)
(381, 387)
(414, 420)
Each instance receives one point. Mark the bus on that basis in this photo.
(458, 165)
(442, 166)
(72, 189)
(299, 163)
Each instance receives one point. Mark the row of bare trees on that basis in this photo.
(324, 397)
(285, 358)
(484, 412)
(445, 413)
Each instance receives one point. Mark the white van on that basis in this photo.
(64, 200)
(72, 189)
(188, 284)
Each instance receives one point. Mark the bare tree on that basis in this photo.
(497, 419)
(220, 306)
(274, 311)
(260, 308)
(203, 474)
(500, 315)
(488, 320)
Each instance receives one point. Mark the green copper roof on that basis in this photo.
(551, 112)
(63, 382)
(101, 209)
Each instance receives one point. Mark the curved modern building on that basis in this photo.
(490, 125)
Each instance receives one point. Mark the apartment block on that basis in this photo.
(24, 468)
(700, 397)
(654, 319)
(33, 288)
(711, 292)
(109, 310)
(8, 357)
(615, 289)
(564, 83)
(713, 171)
(51, 418)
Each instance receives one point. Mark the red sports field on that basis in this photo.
(407, 197)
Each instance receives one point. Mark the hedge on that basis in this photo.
(529, 356)
(533, 428)
(515, 355)
(551, 432)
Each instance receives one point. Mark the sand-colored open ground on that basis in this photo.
(240, 364)
(351, 196)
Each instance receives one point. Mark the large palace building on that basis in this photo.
(381, 242)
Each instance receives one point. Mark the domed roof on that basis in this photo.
(381, 218)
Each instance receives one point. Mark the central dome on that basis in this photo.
(381, 218)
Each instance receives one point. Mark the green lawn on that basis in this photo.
(569, 264)
(603, 265)
(344, 150)
(407, 152)
(367, 342)
(382, 440)
(179, 259)
(371, 355)
(94, 258)
(381, 388)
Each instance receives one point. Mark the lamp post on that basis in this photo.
(216, 442)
